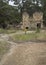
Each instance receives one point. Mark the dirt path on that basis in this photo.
(26, 54)
(5, 57)
(6, 38)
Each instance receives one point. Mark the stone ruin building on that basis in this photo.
(32, 21)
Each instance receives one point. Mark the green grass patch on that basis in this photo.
(5, 31)
(4, 47)
(8, 31)
(29, 36)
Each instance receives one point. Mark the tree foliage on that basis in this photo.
(10, 15)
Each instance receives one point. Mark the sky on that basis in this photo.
(12, 3)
